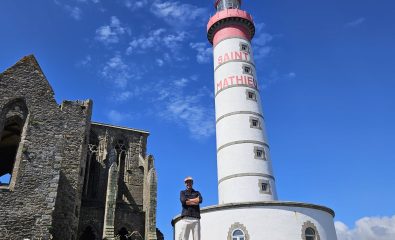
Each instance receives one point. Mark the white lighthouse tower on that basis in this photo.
(244, 164)
(248, 207)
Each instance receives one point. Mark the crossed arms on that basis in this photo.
(191, 201)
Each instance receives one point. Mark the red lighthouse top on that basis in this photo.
(229, 21)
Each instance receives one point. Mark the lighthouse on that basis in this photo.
(243, 156)
(248, 207)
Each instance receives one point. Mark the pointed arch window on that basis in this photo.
(92, 168)
(121, 147)
(12, 121)
(121, 151)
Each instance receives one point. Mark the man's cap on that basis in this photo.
(188, 179)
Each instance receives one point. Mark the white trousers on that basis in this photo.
(187, 225)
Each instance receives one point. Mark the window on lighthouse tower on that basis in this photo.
(251, 95)
(247, 69)
(264, 186)
(238, 235)
(244, 47)
(255, 123)
(259, 153)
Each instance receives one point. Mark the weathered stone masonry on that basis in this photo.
(59, 162)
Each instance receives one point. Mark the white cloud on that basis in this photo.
(275, 77)
(135, 92)
(171, 102)
(368, 228)
(261, 41)
(291, 75)
(123, 96)
(111, 33)
(85, 62)
(146, 42)
(116, 70)
(116, 117)
(204, 52)
(87, 1)
(74, 11)
(178, 14)
(181, 82)
(355, 22)
(173, 40)
(157, 40)
(160, 62)
(187, 110)
(135, 4)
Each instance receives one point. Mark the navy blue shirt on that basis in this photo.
(190, 210)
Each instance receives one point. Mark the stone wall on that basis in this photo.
(75, 137)
(28, 203)
(129, 147)
(59, 177)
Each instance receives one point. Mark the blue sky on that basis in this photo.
(327, 77)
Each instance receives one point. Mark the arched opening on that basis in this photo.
(12, 120)
(120, 148)
(92, 168)
(123, 234)
(93, 176)
(238, 235)
(310, 234)
(88, 234)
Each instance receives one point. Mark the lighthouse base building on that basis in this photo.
(273, 220)
(248, 206)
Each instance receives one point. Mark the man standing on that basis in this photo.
(190, 200)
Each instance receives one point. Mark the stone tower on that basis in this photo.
(244, 164)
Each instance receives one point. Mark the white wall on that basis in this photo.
(239, 171)
(265, 222)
